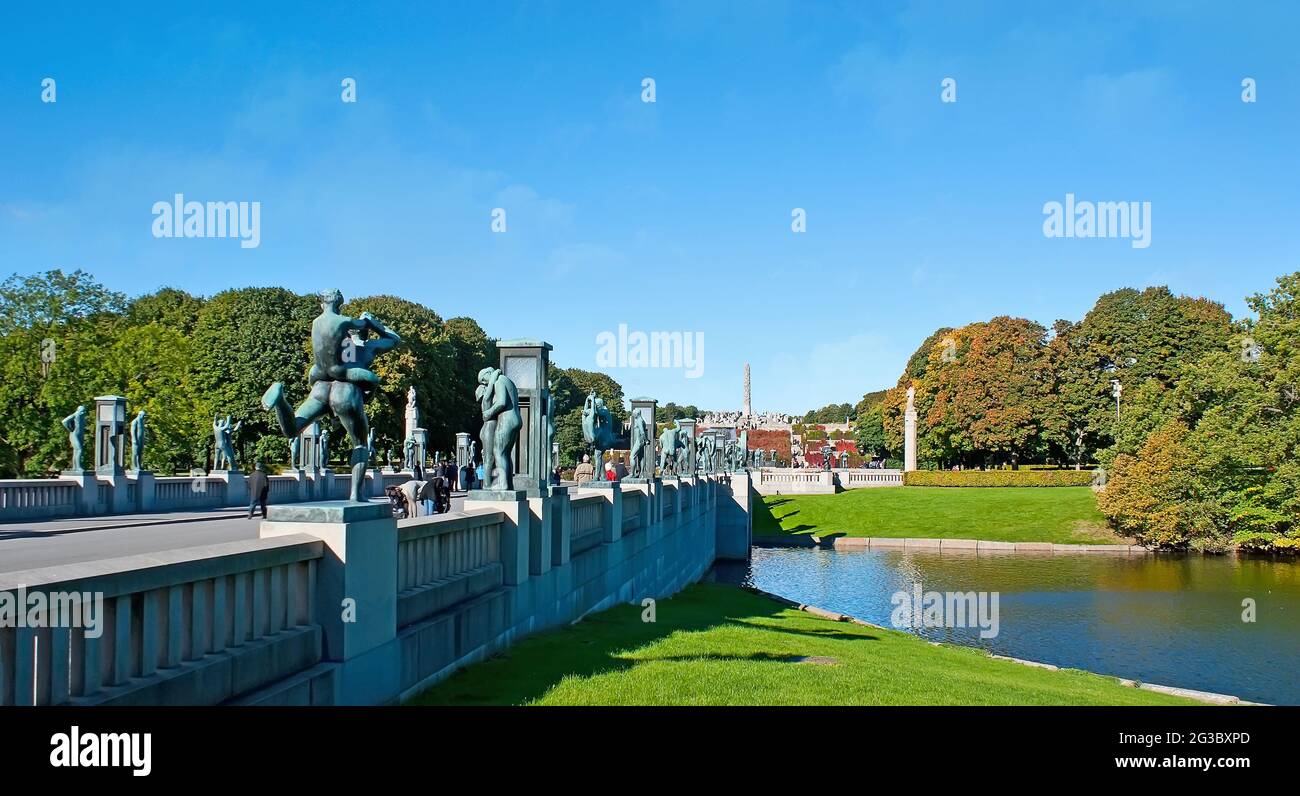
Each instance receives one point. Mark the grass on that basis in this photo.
(719, 645)
(1063, 515)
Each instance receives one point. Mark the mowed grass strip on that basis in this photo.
(1062, 515)
(720, 645)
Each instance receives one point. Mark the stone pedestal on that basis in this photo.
(734, 529)
(516, 528)
(88, 494)
(324, 485)
(376, 482)
(144, 489)
(543, 526)
(236, 486)
(612, 491)
(356, 589)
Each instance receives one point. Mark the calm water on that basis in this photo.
(1167, 619)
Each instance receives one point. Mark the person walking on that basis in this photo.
(259, 487)
(585, 472)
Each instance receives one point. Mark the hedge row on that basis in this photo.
(998, 478)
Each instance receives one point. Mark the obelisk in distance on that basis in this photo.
(747, 413)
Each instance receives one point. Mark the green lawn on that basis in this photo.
(1064, 515)
(719, 645)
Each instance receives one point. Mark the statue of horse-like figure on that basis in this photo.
(597, 428)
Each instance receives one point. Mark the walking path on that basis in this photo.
(31, 544)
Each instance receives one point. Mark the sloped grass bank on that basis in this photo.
(720, 645)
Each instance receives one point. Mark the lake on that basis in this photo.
(1169, 619)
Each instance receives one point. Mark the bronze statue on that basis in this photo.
(75, 423)
(340, 379)
(499, 399)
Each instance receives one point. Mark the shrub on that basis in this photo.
(992, 478)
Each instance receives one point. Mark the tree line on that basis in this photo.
(1201, 449)
(185, 359)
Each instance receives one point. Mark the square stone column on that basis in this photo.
(144, 490)
(526, 362)
(561, 525)
(236, 486)
(516, 528)
(356, 589)
(612, 491)
(544, 528)
(110, 434)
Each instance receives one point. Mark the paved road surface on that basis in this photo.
(43, 543)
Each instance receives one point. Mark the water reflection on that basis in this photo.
(1174, 620)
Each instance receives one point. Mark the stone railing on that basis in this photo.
(339, 603)
(188, 492)
(24, 498)
(586, 519)
(633, 505)
(786, 481)
(130, 492)
(445, 558)
(188, 626)
(858, 479)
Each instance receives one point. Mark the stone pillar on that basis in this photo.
(87, 489)
(909, 440)
(515, 527)
(356, 591)
(144, 490)
(543, 526)
(612, 491)
(462, 456)
(525, 362)
(110, 435)
(561, 519)
(376, 482)
(236, 486)
(734, 528)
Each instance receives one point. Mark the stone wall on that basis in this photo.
(338, 603)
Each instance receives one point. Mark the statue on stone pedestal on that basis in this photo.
(137, 442)
(597, 427)
(683, 464)
(75, 423)
(408, 453)
(223, 457)
(340, 379)
(744, 448)
(499, 399)
(668, 451)
(911, 399)
(638, 441)
(410, 397)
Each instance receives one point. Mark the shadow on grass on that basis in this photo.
(599, 644)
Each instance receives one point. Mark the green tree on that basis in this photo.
(244, 340)
(56, 329)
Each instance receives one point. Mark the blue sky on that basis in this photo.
(672, 215)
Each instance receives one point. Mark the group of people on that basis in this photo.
(614, 470)
(444, 477)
